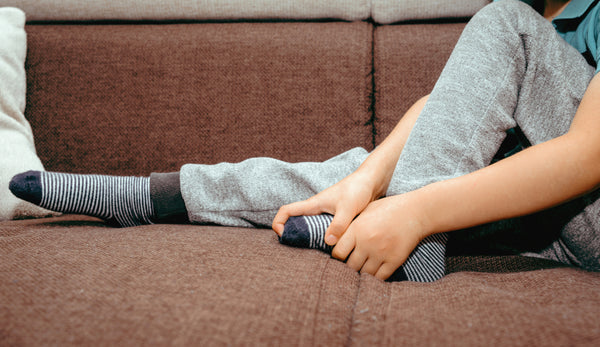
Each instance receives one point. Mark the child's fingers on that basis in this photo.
(372, 265)
(344, 246)
(386, 270)
(340, 223)
(300, 208)
(357, 260)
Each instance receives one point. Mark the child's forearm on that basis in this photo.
(532, 180)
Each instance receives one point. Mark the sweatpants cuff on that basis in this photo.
(165, 192)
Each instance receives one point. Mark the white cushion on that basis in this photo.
(17, 152)
(390, 11)
(191, 9)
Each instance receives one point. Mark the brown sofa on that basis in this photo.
(138, 97)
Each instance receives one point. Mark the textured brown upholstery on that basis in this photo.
(540, 308)
(135, 98)
(132, 99)
(71, 280)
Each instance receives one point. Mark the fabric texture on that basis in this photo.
(585, 37)
(199, 93)
(407, 69)
(166, 284)
(165, 191)
(191, 9)
(17, 150)
(390, 11)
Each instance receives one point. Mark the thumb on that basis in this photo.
(305, 207)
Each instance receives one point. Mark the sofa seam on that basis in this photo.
(353, 315)
(316, 309)
(372, 108)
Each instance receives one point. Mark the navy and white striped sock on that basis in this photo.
(121, 201)
(307, 232)
(425, 264)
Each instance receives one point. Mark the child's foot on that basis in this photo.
(307, 232)
(425, 264)
(122, 201)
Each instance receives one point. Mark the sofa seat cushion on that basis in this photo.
(552, 307)
(71, 280)
(192, 9)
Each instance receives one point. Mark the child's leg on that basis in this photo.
(243, 194)
(509, 68)
(477, 99)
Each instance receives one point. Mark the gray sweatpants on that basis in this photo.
(509, 68)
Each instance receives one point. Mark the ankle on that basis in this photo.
(165, 192)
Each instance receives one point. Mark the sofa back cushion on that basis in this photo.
(132, 99)
(192, 9)
(382, 11)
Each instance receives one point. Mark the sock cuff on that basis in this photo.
(165, 192)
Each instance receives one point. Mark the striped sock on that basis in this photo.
(307, 232)
(425, 264)
(121, 201)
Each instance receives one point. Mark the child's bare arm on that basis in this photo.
(535, 179)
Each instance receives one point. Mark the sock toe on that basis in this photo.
(27, 186)
(295, 233)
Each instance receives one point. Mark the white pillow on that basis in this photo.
(390, 11)
(191, 9)
(17, 152)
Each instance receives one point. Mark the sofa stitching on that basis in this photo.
(389, 293)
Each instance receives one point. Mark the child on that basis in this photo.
(389, 210)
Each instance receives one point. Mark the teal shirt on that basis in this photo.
(579, 25)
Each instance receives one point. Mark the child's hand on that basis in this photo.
(345, 200)
(382, 237)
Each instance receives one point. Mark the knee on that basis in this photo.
(507, 14)
(511, 8)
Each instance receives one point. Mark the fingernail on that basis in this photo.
(331, 240)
